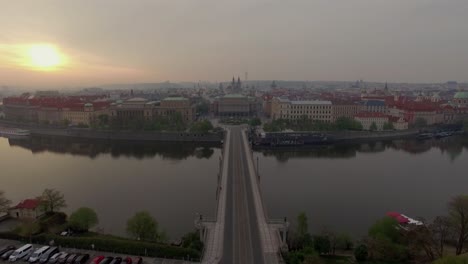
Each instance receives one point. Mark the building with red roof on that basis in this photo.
(55, 109)
(27, 209)
(367, 119)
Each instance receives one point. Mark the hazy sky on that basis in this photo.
(112, 41)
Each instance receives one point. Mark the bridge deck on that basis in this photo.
(241, 233)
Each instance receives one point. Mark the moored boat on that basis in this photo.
(14, 132)
(425, 136)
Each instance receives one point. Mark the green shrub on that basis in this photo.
(361, 253)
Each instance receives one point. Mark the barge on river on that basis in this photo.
(278, 139)
(14, 132)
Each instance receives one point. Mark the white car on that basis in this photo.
(20, 252)
(37, 254)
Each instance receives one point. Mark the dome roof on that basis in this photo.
(461, 95)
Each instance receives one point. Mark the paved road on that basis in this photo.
(241, 238)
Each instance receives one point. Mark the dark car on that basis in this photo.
(55, 257)
(3, 250)
(71, 258)
(127, 260)
(7, 254)
(48, 254)
(107, 260)
(97, 260)
(62, 258)
(116, 260)
(27, 256)
(138, 260)
(81, 259)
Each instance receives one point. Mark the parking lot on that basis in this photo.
(93, 254)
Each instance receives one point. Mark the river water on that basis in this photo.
(171, 181)
(343, 187)
(346, 188)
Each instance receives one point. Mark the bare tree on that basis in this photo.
(441, 231)
(53, 200)
(458, 212)
(4, 203)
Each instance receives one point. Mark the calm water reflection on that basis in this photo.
(348, 187)
(172, 181)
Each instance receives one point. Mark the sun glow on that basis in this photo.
(44, 57)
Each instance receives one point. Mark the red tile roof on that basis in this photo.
(28, 204)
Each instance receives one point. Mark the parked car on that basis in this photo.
(48, 254)
(71, 258)
(20, 252)
(3, 250)
(116, 260)
(97, 260)
(138, 260)
(106, 260)
(82, 259)
(127, 260)
(27, 256)
(62, 258)
(55, 257)
(36, 255)
(7, 254)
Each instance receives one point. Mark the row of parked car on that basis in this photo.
(51, 255)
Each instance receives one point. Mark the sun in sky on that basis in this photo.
(45, 57)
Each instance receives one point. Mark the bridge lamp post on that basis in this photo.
(258, 174)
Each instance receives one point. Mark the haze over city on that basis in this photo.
(101, 42)
(233, 132)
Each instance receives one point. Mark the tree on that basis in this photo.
(312, 258)
(66, 122)
(388, 126)
(203, 107)
(143, 226)
(255, 122)
(361, 253)
(420, 122)
(83, 219)
(441, 230)
(373, 127)
(385, 242)
(346, 123)
(385, 227)
(344, 242)
(203, 126)
(4, 203)
(302, 225)
(192, 240)
(322, 244)
(52, 200)
(458, 212)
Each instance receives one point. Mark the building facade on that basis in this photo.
(84, 114)
(345, 109)
(367, 119)
(235, 105)
(296, 110)
(175, 105)
(29, 209)
(143, 109)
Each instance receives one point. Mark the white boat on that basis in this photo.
(14, 132)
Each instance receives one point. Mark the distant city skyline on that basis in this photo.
(68, 44)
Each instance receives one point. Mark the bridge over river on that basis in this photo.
(241, 231)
